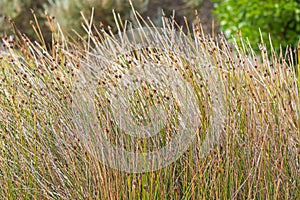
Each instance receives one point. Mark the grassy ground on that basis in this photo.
(42, 155)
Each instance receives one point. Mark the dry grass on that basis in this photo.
(42, 155)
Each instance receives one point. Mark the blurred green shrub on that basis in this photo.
(279, 18)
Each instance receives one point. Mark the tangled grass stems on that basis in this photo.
(43, 156)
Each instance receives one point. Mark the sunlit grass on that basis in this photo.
(43, 156)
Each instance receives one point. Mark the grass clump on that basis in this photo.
(44, 156)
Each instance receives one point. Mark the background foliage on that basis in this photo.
(279, 18)
(20, 12)
(67, 12)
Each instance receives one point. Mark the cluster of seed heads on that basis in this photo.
(238, 93)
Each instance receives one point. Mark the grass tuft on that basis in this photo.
(43, 155)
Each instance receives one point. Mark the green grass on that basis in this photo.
(43, 155)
